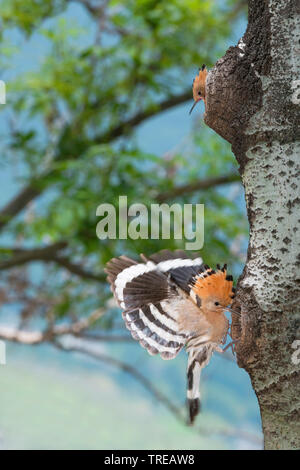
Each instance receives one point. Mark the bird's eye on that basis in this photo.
(217, 303)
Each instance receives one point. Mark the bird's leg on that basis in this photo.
(230, 345)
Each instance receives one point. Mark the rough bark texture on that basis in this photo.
(253, 101)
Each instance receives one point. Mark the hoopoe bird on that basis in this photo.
(199, 84)
(171, 301)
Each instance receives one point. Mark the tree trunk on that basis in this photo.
(253, 98)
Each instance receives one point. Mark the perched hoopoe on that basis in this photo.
(199, 86)
(169, 301)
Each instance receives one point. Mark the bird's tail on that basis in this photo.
(196, 362)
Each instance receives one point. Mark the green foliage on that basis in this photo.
(27, 15)
(73, 131)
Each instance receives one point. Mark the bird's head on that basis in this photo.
(213, 290)
(199, 86)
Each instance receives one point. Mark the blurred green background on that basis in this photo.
(98, 94)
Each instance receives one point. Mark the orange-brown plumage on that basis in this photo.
(199, 86)
(213, 292)
(215, 284)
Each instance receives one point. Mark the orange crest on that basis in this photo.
(213, 283)
(199, 86)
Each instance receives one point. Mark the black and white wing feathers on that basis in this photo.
(150, 294)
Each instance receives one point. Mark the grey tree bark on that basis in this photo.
(253, 101)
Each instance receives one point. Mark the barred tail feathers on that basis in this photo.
(193, 391)
(196, 362)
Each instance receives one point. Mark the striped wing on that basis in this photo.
(152, 296)
(179, 266)
(155, 330)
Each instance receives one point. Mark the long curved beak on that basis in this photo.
(194, 105)
(233, 311)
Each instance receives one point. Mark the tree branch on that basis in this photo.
(133, 122)
(128, 369)
(94, 336)
(48, 254)
(22, 256)
(197, 186)
(175, 410)
(77, 329)
(77, 269)
(37, 337)
(18, 203)
(35, 188)
(94, 10)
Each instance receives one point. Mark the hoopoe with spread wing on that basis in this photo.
(199, 87)
(169, 301)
